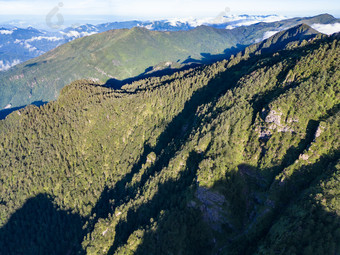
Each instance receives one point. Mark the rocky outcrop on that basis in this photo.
(318, 131)
(273, 123)
(274, 117)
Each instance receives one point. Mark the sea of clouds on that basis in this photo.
(327, 28)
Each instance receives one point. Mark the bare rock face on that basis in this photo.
(273, 123)
(319, 131)
(274, 117)
(304, 157)
(151, 158)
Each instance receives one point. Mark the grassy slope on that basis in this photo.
(116, 54)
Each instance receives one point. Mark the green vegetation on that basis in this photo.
(116, 54)
(237, 157)
(122, 54)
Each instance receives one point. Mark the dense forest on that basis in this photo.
(237, 157)
(122, 55)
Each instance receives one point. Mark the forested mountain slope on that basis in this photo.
(115, 54)
(126, 53)
(19, 44)
(237, 157)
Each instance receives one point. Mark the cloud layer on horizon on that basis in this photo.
(327, 28)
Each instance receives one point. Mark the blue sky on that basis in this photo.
(154, 9)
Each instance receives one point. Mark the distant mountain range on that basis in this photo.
(116, 55)
(21, 44)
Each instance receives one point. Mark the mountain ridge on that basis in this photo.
(16, 49)
(114, 55)
(237, 157)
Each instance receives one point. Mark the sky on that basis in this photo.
(157, 9)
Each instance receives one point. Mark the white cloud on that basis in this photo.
(5, 65)
(6, 32)
(30, 47)
(71, 34)
(190, 20)
(150, 26)
(234, 20)
(269, 34)
(38, 38)
(246, 20)
(327, 28)
(76, 34)
(8, 106)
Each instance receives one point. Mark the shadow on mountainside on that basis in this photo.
(256, 207)
(5, 112)
(42, 217)
(171, 195)
(189, 63)
(53, 231)
(174, 136)
(39, 228)
(208, 58)
(117, 84)
(171, 139)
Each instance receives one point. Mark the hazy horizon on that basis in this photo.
(39, 21)
(101, 11)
